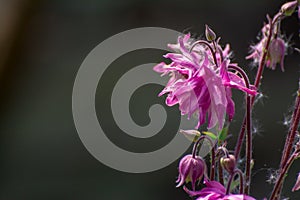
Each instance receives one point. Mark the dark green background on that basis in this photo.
(41, 154)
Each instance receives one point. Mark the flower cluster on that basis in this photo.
(201, 79)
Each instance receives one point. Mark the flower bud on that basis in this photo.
(276, 53)
(191, 135)
(297, 184)
(289, 8)
(190, 169)
(228, 163)
(210, 35)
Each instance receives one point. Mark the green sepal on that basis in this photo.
(210, 134)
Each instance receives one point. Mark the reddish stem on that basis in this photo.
(213, 157)
(257, 81)
(282, 175)
(248, 127)
(292, 132)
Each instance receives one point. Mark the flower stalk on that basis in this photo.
(232, 175)
(257, 81)
(213, 157)
(282, 175)
(248, 127)
(286, 155)
(292, 132)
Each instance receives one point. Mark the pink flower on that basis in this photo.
(190, 169)
(215, 191)
(198, 84)
(257, 50)
(276, 52)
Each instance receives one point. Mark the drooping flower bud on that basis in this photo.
(289, 8)
(276, 53)
(210, 34)
(191, 135)
(297, 184)
(190, 169)
(228, 163)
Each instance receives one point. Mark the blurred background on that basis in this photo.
(43, 44)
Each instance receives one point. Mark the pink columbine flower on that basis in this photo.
(197, 84)
(190, 169)
(216, 191)
(297, 184)
(257, 50)
(276, 53)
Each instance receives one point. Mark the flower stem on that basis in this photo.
(220, 169)
(290, 139)
(248, 145)
(248, 127)
(213, 53)
(213, 156)
(292, 131)
(220, 173)
(282, 175)
(257, 81)
(239, 172)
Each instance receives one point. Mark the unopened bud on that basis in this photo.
(277, 51)
(191, 135)
(210, 34)
(289, 8)
(191, 169)
(228, 163)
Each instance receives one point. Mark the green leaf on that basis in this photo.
(235, 184)
(223, 134)
(211, 135)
